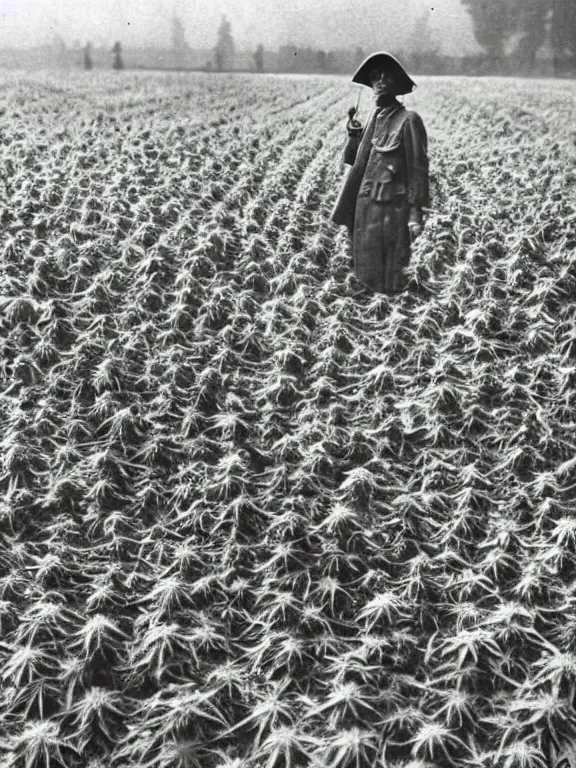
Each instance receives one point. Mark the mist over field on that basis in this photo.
(324, 23)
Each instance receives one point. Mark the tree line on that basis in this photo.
(520, 28)
(511, 34)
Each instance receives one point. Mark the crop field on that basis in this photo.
(252, 515)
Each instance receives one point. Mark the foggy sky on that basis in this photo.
(371, 24)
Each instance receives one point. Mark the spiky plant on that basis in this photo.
(287, 746)
(39, 741)
(98, 711)
(354, 746)
(433, 738)
(274, 709)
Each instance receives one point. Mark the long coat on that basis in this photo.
(389, 176)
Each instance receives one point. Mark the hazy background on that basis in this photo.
(370, 24)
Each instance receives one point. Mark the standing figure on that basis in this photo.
(383, 195)
(259, 58)
(117, 63)
(88, 56)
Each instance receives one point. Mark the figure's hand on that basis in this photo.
(354, 127)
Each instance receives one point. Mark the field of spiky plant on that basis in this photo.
(252, 516)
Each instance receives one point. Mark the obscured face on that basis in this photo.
(382, 81)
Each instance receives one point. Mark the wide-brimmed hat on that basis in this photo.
(405, 84)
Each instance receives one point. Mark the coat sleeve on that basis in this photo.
(417, 167)
(351, 148)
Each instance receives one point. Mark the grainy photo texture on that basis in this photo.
(287, 384)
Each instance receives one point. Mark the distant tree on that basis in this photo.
(88, 64)
(359, 55)
(423, 40)
(259, 58)
(295, 59)
(224, 49)
(532, 22)
(422, 46)
(58, 50)
(118, 62)
(178, 35)
(494, 22)
(287, 58)
(563, 30)
(310, 60)
(179, 44)
(532, 18)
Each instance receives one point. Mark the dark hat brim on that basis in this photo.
(405, 84)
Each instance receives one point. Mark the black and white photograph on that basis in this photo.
(288, 384)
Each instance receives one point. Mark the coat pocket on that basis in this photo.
(383, 191)
(384, 188)
(393, 142)
(379, 191)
